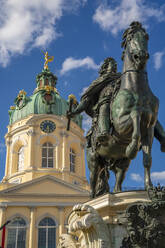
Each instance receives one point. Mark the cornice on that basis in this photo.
(17, 130)
(41, 179)
(41, 170)
(37, 117)
(31, 122)
(112, 200)
(40, 195)
(37, 204)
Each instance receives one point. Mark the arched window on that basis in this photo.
(47, 155)
(16, 237)
(21, 158)
(47, 233)
(72, 160)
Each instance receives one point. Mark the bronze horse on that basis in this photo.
(133, 118)
(133, 115)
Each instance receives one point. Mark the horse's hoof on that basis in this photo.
(92, 195)
(148, 186)
(117, 191)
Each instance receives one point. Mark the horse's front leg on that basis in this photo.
(102, 186)
(147, 158)
(120, 169)
(133, 147)
(93, 168)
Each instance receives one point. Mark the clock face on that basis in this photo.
(47, 126)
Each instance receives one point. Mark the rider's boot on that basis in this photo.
(103, 123)
(103, 137)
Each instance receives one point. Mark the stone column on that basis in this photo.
(32, 227)
(31, 134)
(56, 151)
(64, 136)
(61, 220)
(2, 219)
(8, 143)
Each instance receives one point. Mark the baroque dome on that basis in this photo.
(45, 100)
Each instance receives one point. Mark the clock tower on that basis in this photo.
(37, 141)
(45, 167)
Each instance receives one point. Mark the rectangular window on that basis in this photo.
(50, 153)
(16, 238)
(44, 162)
(44, 152)
(51, 237)
(11, 241)
(42, 238)
(72, 160)
(47, 155)
(50, 162)
(21, 238)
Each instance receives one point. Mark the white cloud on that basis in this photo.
(2, 148)
(136, 177)
(66, 83)
(158, 56)
(118, 18)
(87, 122)
(158, 176)
(71, 63)
(83, 91)
(27, 24)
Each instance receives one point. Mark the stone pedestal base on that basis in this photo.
(134, 219)
(112, 207)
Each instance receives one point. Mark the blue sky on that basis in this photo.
(80, 34)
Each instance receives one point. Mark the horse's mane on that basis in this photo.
(129, 33)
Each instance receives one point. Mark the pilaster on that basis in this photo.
(64, 136)
(61, 220)
(8, 145)
(31, 134)
(2, 218)
(32, 227)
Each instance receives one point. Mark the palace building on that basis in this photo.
(45, 167)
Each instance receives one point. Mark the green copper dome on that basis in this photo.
(45, 100)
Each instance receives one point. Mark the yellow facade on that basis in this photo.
(32, 192)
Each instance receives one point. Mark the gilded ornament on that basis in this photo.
(71, 96)
(47, 60)
(12, 107)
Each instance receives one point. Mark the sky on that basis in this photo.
(80, 34)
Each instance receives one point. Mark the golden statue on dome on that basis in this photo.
(47, 60)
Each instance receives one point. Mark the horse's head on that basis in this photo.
(135, 43)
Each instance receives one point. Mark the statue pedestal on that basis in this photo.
(112, 207)
(127, 219)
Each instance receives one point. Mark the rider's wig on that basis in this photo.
(106, 63)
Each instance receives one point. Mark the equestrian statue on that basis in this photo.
(124, 115)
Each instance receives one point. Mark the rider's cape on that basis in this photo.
(91, 95)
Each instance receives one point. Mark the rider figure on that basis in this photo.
(96, 99)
